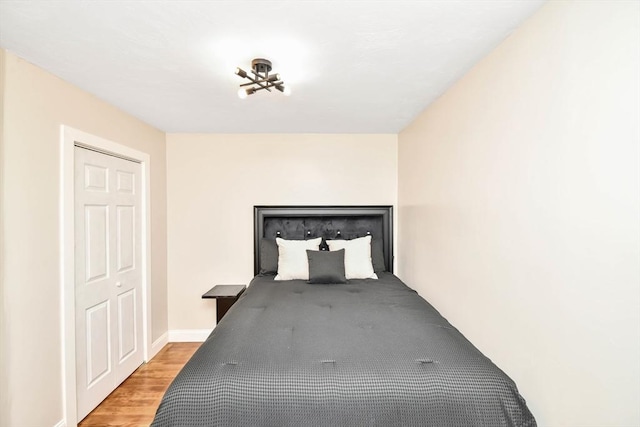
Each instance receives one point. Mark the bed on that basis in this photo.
(369, 352)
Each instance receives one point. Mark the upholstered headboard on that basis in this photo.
(329, 222)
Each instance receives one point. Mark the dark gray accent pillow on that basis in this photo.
(326, 267)
(377, 256)
(268, 256)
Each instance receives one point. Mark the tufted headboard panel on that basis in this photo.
(329, 222)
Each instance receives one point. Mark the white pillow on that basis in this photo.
(292, 258)
(357, 257)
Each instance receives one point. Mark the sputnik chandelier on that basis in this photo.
(261, 79)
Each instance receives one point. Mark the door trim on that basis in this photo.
(69, 138)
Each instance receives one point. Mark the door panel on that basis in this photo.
(108, 275)
(126, 182)
(125, 236)
(96, 178)
(127, 313)
(97, 242)
(98, 344)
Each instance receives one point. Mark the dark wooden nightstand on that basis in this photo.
(225, 296)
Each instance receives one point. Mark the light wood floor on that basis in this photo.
(135, 401)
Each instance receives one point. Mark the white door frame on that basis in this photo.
(69, 138)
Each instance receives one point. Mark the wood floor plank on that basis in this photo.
(134, 402)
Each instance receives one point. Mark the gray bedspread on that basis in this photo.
(368, 353)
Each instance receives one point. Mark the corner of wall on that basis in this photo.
(4, 392)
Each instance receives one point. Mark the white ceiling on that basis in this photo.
(353, 66)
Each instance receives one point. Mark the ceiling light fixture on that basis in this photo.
(261, 79)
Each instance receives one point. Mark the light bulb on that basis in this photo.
(242, 93)
(287, 91)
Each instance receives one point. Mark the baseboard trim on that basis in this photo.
(158, 344)
(61, 423)
(189, 335)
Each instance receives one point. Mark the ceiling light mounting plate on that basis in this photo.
(261, 65)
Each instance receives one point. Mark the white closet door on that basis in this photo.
(108, 274)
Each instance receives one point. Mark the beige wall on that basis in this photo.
(519, 210)
(4, 369)
(35, 105)
(215, 180)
